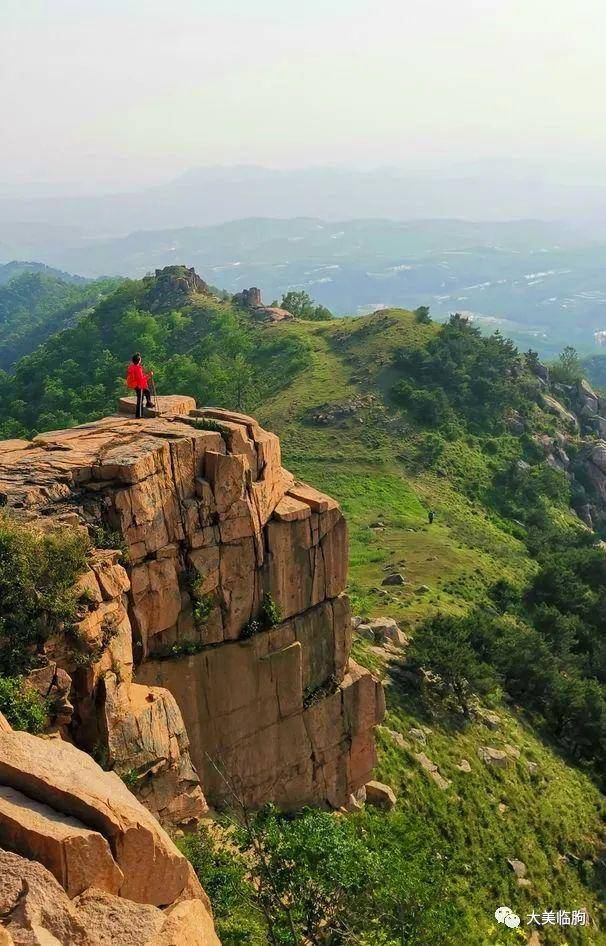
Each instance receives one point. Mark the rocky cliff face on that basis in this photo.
(576, 447)
(214, 658)
(174, 286)
(82, 863)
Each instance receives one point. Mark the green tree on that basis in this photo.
(22, 707)
(568, 367)
(443, 646)
(318, 878)
(37, 575)
(303, 306)
(422, 315)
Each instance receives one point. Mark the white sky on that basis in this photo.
(134, 91)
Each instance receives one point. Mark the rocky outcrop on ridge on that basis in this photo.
(174, 286)
(213, 659)
(82, 862)
(251, 299)
(577, 445)
(248, 298)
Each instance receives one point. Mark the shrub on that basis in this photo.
(23, 708)
(443, 645)
(270, 616)
(422, 315)
(37, 576)
(568, 368)
(302, 305)
(317, 878)
(224, 872)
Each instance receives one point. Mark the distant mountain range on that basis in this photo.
(544, 284)
(354, 240)
(211, 195)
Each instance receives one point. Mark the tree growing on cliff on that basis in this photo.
(568, 367)
(37, 576)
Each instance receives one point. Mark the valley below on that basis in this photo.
(403, 729)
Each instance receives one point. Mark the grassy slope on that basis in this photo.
(555, 813)
(358, 463)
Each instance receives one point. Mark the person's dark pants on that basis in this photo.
(142, 393)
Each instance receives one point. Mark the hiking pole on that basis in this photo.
(153, 381)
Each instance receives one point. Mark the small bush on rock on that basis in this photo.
(22, 707)
(37, 577)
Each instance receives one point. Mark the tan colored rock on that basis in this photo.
(166, 404)
(146, 740)
(115, 920)
(77, 856)
(111, 577)
(87, 588)
(317, 501)
(555, 407)
(380, 795)
(226, 475)
(268, 743)
(432, 770)
(495, 757)
(212, 525)
(58, 775)
(35, 909)
(187, 924)
(53, 686)
(156, 596)
(289, 509)
(14, 446)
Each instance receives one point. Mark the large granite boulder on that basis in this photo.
(82, 861)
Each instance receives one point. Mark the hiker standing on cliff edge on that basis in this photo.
(137, 381)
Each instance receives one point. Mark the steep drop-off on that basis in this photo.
(225, 641)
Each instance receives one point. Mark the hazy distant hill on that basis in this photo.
(35, 303)
(542, 283)
(8, 271)
(209, 195)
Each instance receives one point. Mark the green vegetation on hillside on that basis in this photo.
(366, 879)
(207, 348)
(35, 305)
(503, 598)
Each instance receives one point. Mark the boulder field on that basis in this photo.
(211, 659)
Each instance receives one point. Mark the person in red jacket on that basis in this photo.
(137, 381)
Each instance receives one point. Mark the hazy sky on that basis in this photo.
(113, 92)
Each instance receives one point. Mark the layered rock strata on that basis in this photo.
(217, 649)
(82, 862)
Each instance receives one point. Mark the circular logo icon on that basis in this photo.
(500, 913)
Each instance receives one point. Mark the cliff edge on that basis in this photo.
(212, 657)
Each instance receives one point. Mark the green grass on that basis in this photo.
(364, 465)
(554, 822)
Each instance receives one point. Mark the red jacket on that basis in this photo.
(136, 377)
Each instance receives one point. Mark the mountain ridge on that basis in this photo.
(396, 416)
